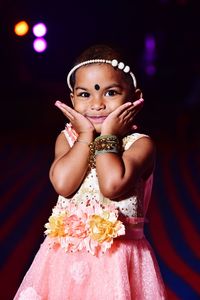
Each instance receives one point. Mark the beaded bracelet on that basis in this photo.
(107, 144)
(103, 144)
(92, 158)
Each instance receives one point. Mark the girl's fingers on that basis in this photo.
(67, 111)
(117, 112)
(63, 106)
(60, 104)
(74, 117)
(129, 115)
(138, 102)
(70, 111)
(128, 106)
(131, 112)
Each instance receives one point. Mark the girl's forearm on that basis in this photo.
(119, 174)
(68, 171)
(113, 175)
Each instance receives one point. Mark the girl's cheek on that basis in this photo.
(80, 108)
(76, 105)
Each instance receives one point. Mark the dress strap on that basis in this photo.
(70, 134)
(132, 138)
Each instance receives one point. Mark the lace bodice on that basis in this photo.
(134, 206)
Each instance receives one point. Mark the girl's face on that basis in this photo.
(99, 89)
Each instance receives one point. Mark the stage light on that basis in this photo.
(150, 55)
(39, 29)
(39, 45)
(21, 28)
(150, 43)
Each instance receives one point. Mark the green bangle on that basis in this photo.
(97, 152)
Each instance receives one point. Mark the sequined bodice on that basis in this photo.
(89, 190)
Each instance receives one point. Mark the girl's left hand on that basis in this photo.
(121, 120)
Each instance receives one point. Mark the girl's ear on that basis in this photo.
(72, 98)
(138, 94)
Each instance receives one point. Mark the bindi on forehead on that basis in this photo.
(97, 87)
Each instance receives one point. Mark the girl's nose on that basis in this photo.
(97, 103)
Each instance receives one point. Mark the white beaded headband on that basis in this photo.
(114, 63)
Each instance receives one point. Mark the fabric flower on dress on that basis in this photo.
(102, 230)
(91, 226)
(56, 225)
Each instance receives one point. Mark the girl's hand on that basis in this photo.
(121, 120)
(80, 123)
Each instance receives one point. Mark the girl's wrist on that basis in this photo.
(108, 132)
(86, 137)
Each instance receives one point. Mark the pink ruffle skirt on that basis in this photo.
(127, 271)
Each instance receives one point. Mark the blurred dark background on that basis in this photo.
(161, 41)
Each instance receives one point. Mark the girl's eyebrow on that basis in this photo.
(117, 85)
(81, 88)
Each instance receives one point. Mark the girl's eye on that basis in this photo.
(111, 93)
(84, 94)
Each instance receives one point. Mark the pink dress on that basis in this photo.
(95, 248)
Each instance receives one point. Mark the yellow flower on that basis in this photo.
(55, 227)
(102, 230)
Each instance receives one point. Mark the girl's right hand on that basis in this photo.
(80, 123)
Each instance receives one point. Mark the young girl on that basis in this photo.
(95, 247)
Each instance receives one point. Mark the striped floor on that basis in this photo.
(173, 228)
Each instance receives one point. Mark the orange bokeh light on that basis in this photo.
(21, 28)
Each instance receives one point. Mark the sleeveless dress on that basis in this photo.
(95, 248)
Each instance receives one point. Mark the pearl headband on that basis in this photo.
(114, 63)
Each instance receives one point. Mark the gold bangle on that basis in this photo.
(107, 144)
(104, 144)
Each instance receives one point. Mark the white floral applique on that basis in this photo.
(29, 294)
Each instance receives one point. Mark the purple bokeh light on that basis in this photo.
(150, 54)
(39, 29)
(39, 45)
(150, 70)
(150, 43)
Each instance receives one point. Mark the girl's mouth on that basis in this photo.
(97, 119)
